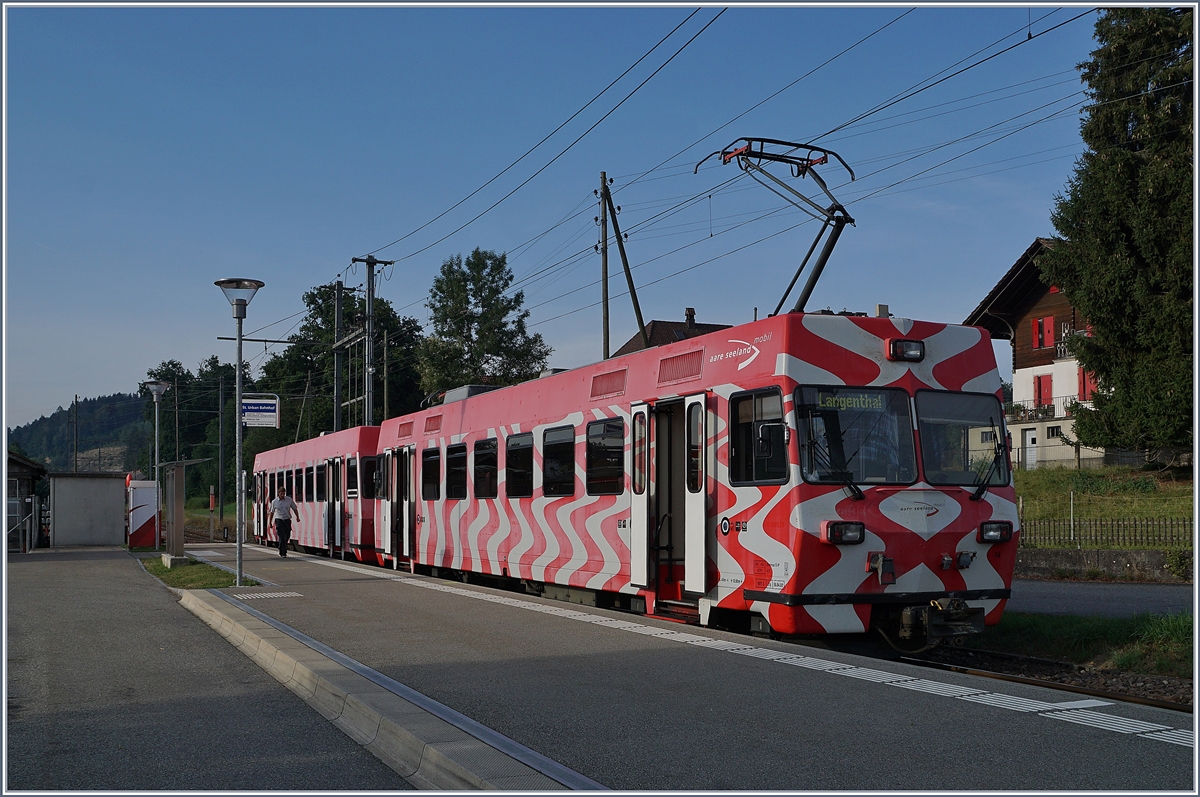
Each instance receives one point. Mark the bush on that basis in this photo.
(1179, 563)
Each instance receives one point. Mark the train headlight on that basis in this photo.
(995, 531)
(912, 351)
(842, 532)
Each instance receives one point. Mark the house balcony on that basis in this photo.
(1034, 410)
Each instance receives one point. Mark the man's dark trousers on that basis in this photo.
(283, 530)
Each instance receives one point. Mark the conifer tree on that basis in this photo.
(1123, 255)
(479, 334)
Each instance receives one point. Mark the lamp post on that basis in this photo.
(157, 388)
(239, 292)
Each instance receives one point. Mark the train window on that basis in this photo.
(308, 484)
(855, 435)
(352, 477)
(485, 468)
(695, 446)
(456, 472)
(289, 483)
(431, 474)
(370, 477)
(606, 457)
(518, 466)
(400, 464)
(298, 481)
(640, 451)
(558, 461)
(320, 482)
(961, 436)
(757, 448)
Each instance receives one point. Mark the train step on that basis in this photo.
(677, 611)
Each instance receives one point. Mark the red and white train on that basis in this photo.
(808, 473)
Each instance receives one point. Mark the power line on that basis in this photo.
(544, 140)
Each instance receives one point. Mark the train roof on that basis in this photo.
(744, 354)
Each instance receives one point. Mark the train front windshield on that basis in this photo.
(856, 435)
(961, 440)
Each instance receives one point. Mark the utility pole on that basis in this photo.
(604, 258)
(75, 428)
(637, 308)
(176, 389)
(221, 447)
(385, 375)
(337, 356)
(369, 355)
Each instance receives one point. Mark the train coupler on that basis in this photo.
(942, 619)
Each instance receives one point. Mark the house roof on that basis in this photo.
(663, 332)
(1004, 304)
(24, 463)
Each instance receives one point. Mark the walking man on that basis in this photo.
(282, 509)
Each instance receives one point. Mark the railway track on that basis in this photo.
(1158, 691)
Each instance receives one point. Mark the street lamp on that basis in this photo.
(239, 292)
(156, 388)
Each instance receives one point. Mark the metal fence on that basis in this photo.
(1121, 533)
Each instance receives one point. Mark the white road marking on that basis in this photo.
(251, 595)
(1071, 711)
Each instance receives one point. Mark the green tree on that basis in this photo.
(1123, 255)
(479, 334)
(302, 374)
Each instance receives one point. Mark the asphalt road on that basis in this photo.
(637, 711)
(1106, 599)
(113, 686)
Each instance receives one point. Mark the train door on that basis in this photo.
(386, 495)
(696, 490)
(679, 498)
(410, 500)
(397, 486)
(333, 504)
(321, 496)
(261, 503)
(641, 509)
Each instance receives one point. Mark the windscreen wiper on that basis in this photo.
(983, 485)
(845, 477)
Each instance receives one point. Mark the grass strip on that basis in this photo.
(1146, 643)
(194, 575)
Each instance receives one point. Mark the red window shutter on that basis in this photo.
(1089, 384)
(1082, 395)
(1048, 326)
(1034, 338)
(1046, 390)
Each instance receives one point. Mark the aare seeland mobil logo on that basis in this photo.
(743, 348)
(926, 510)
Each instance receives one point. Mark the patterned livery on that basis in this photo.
(807, 473)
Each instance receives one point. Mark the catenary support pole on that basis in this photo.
(221, 449)
(637, 308)
(337, 357)
(604, 260)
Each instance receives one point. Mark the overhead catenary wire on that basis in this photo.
(572, 261)
(548, 136)
(792, 84)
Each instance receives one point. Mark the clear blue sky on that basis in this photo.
(151, 151)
